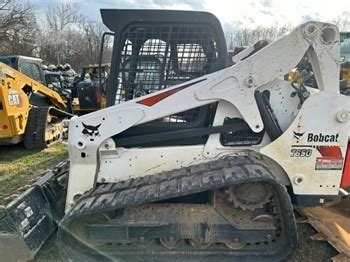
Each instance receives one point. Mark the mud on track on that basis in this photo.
(307, 249)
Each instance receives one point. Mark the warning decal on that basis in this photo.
(329, 163)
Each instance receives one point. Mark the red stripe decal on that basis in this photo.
(345, 182)
(330, 151)
(150, 101)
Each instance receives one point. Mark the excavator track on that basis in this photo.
(41, 129)
(91, 217)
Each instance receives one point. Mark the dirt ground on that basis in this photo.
(307, 249)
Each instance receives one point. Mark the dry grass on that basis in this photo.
(19, 167)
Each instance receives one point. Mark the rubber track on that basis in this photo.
(34, 137)
(180, 182)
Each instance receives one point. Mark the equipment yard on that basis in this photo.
(159, 134)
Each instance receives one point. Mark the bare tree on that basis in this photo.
(69, 37)
(62, 16)
(92, 35)
(247, 36)
(61, 21)
(17, 28)
(229, 35)
(88, 49)
(4, 4)
(342, 22)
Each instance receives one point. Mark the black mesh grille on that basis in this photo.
(155, 57)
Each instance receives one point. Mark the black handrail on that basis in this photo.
(101, 54)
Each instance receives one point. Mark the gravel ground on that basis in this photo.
(307, 249)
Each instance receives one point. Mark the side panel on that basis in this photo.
(313, 148)
(14, 105)
(139, 162)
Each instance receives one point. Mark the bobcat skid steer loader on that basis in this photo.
(209, 167)
(198, 160)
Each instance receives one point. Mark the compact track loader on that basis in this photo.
(200, 159)
(29, 111)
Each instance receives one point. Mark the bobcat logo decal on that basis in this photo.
(298, 135)
(91, 131)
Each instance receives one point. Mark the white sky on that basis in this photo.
(274, 12)
(247, 13)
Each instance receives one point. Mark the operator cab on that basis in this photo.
(87, 89)
(155, 49)
(30, 66)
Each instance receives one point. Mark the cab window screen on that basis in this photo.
(156, 56)
(31, 70)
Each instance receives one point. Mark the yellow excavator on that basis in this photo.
(29, 111)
